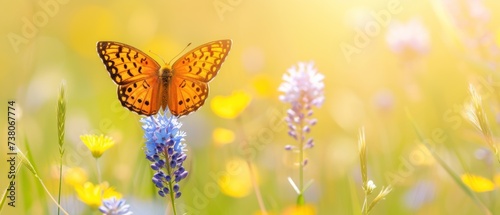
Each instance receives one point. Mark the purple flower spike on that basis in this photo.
(165, 149)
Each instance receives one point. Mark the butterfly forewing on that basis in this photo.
(125, 63)
(191, 74)
(203, 62)
(136, 74)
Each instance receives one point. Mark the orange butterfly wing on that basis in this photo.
(188, 88)
(139, 85)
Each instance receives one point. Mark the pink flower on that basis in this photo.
(408, 39)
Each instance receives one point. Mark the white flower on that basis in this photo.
(370, 186)
(113, 206)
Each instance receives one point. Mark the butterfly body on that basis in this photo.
(144, 87)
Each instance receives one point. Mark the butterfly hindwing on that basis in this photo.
(188, 97)
(125, 63)
(142, 97)
(191, 74)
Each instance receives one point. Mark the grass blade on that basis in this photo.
(448, 170)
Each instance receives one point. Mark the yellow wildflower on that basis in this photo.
(75, 176)
(92, 195)
(477, 183)
(230, 107)
(237, 182)
(222, 136)
(306, 209)
(263, 213)
(97, 144)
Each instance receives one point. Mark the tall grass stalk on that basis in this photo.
(368, 185)
(474, 112)
(61, 118)
(364, 169)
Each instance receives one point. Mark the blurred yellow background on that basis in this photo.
(367, 84)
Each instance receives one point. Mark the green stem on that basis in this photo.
(60, 185)
(300, 200)
(98, 170)
(170, 184)
(172, 198)
(365, 205)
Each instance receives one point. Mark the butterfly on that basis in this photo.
(144, 86)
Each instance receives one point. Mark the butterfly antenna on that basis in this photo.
(179, 53)
(157, 56)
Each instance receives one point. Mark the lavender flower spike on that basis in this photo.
(165, 150)
(302, 87)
